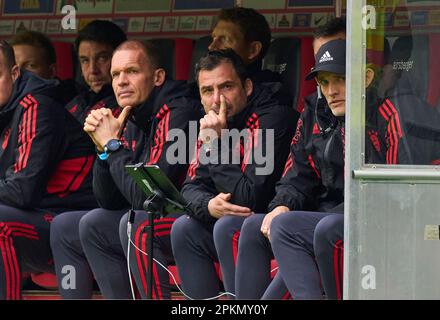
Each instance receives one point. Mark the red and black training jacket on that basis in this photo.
(410, 127)
(71, 183)
(170, 106)
(205, 181)
(32, 142)
(313, 177)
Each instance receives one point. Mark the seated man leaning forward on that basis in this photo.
(243, 144)
(153, 105)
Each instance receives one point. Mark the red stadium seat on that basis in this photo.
(45, 280)
(433, 94)
(199, 50)
(65, 60)
(292, 58)
(183, 52)
(176, 54)
(307, 62)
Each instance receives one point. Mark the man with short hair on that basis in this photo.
(247, 32)
(155, 105)
(256, 243)
(32, 143)
(94, 45)
(35, 52)
(222, 194)
(301, 239)
(334, 29)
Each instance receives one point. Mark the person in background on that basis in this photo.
(94, 46)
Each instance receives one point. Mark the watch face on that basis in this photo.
(113, 145)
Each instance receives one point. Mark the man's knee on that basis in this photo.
(181, 228)
(64, 228)
(183, 232)
(251, 228)
(226, 228)
(123, 229)
(288, 224)
(61, 230)
(253, 222)
(329, 230)
(90, 223)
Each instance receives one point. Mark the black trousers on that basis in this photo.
(309, 248)
(88, 243)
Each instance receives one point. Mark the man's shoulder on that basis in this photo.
(267, 106)
(175, 89)
(184, 102)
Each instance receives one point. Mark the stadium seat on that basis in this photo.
(415, 63)
(200, 49)
(183, 53)
(65, 59)
(45, 280)
(307, 62)
(292, 58)
(177, 54)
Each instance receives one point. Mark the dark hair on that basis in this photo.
(150, 50)
(102, 31)
(37, 40)
(214, 58)
(252, 24)
(8, 53)
(331, 28)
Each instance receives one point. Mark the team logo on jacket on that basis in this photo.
(374, 137)
(297, 135)
(48, 217)
(316, 129)
(73, 109)
(99, 105)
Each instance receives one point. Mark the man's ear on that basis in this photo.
(369, 77)
(15, 72)
(248, 87)
(159, 77)
(254, 50)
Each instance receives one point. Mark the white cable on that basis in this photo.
(174, 279)
(128, 260)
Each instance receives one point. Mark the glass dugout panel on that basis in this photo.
(392, 222)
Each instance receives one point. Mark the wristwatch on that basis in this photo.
(111, 146)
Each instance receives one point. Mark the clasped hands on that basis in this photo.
(102, 126)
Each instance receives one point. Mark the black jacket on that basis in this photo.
(410, 127)
(87, 100)
(31, 142)
(205, 181)
(71, 183)
(270, 80)
(313, 177)
(145, 140)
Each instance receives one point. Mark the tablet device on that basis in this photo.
(150, 178)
